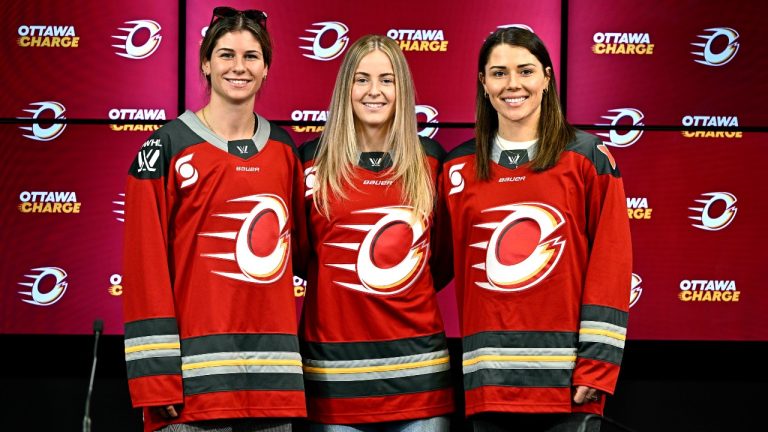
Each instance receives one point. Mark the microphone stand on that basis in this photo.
(98, 327)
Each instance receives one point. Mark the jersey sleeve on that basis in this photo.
(605, 299)
(152, 347)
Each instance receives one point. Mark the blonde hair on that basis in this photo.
(337, 152)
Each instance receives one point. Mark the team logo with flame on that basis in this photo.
(392, 254)
(709, 217)
(522, 249)
(261, 244)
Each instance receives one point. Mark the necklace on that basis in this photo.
(208, 125)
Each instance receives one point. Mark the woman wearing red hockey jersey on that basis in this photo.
(213, 202)
(542, 252)
(374, 350)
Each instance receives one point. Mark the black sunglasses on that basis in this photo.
(229, 12)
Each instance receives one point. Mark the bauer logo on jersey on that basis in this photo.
(635, 290)
(620, 117)
(47, 286)
(136, 44)
(718, 211)
(622, 43)
(522, 249)
(419, 39)
(718, 48)
(706, 121)
(456, 178)
(47, 36)
(41, 111)
(328, 40)
(431, 117)
(259, 246)
(391, 255)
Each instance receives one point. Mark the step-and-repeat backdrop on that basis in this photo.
(687, 75)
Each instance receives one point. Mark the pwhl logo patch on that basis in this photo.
(392, 252)
(260, 245)
(718, 211)
(135, 45)
(41, 112)
(320, 49)
(39, 293)
(723, 37)
(622, 138)
(523, 248)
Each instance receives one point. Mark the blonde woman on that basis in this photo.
(213, 205)
(373, 343)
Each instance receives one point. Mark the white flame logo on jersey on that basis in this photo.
(53, 131)
(724, 56)
(706, 220)
(55, 294)
(636, 290)
(310, 177)
(617, 139)
(457, 180)
(262, 242)
(326, 53)
(130, 50)
(186, 171)
(374, 267)
(509, 264)
(431, 113)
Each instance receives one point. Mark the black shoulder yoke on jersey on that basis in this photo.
(154, 156)
(276, 133)
(464, 149)
(308, 149)
(591, 147)
(432, 148)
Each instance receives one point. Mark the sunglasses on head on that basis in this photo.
(229, 12)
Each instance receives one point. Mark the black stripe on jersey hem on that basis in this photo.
(601, 351)
(154, 366)
(373, 350)
(520, 339)
(464, 149)
(518, 378)
(382, 387)
(151, 327)
(604, 314)
(244, 381)
(239, 343)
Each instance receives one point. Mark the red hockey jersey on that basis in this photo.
(209, 304)
(542, 264)
(373, 340)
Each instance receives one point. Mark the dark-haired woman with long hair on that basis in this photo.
(542, 250)
(214, 206)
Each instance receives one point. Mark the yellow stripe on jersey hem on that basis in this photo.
(382, 368)
(483, 358)
(607, 333)
(151, 347)
(217, 363)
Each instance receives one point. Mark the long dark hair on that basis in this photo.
(553, 130)
(239, 22)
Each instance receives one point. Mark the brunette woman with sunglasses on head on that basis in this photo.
(214, 210)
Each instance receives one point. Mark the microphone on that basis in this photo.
(98, 327)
